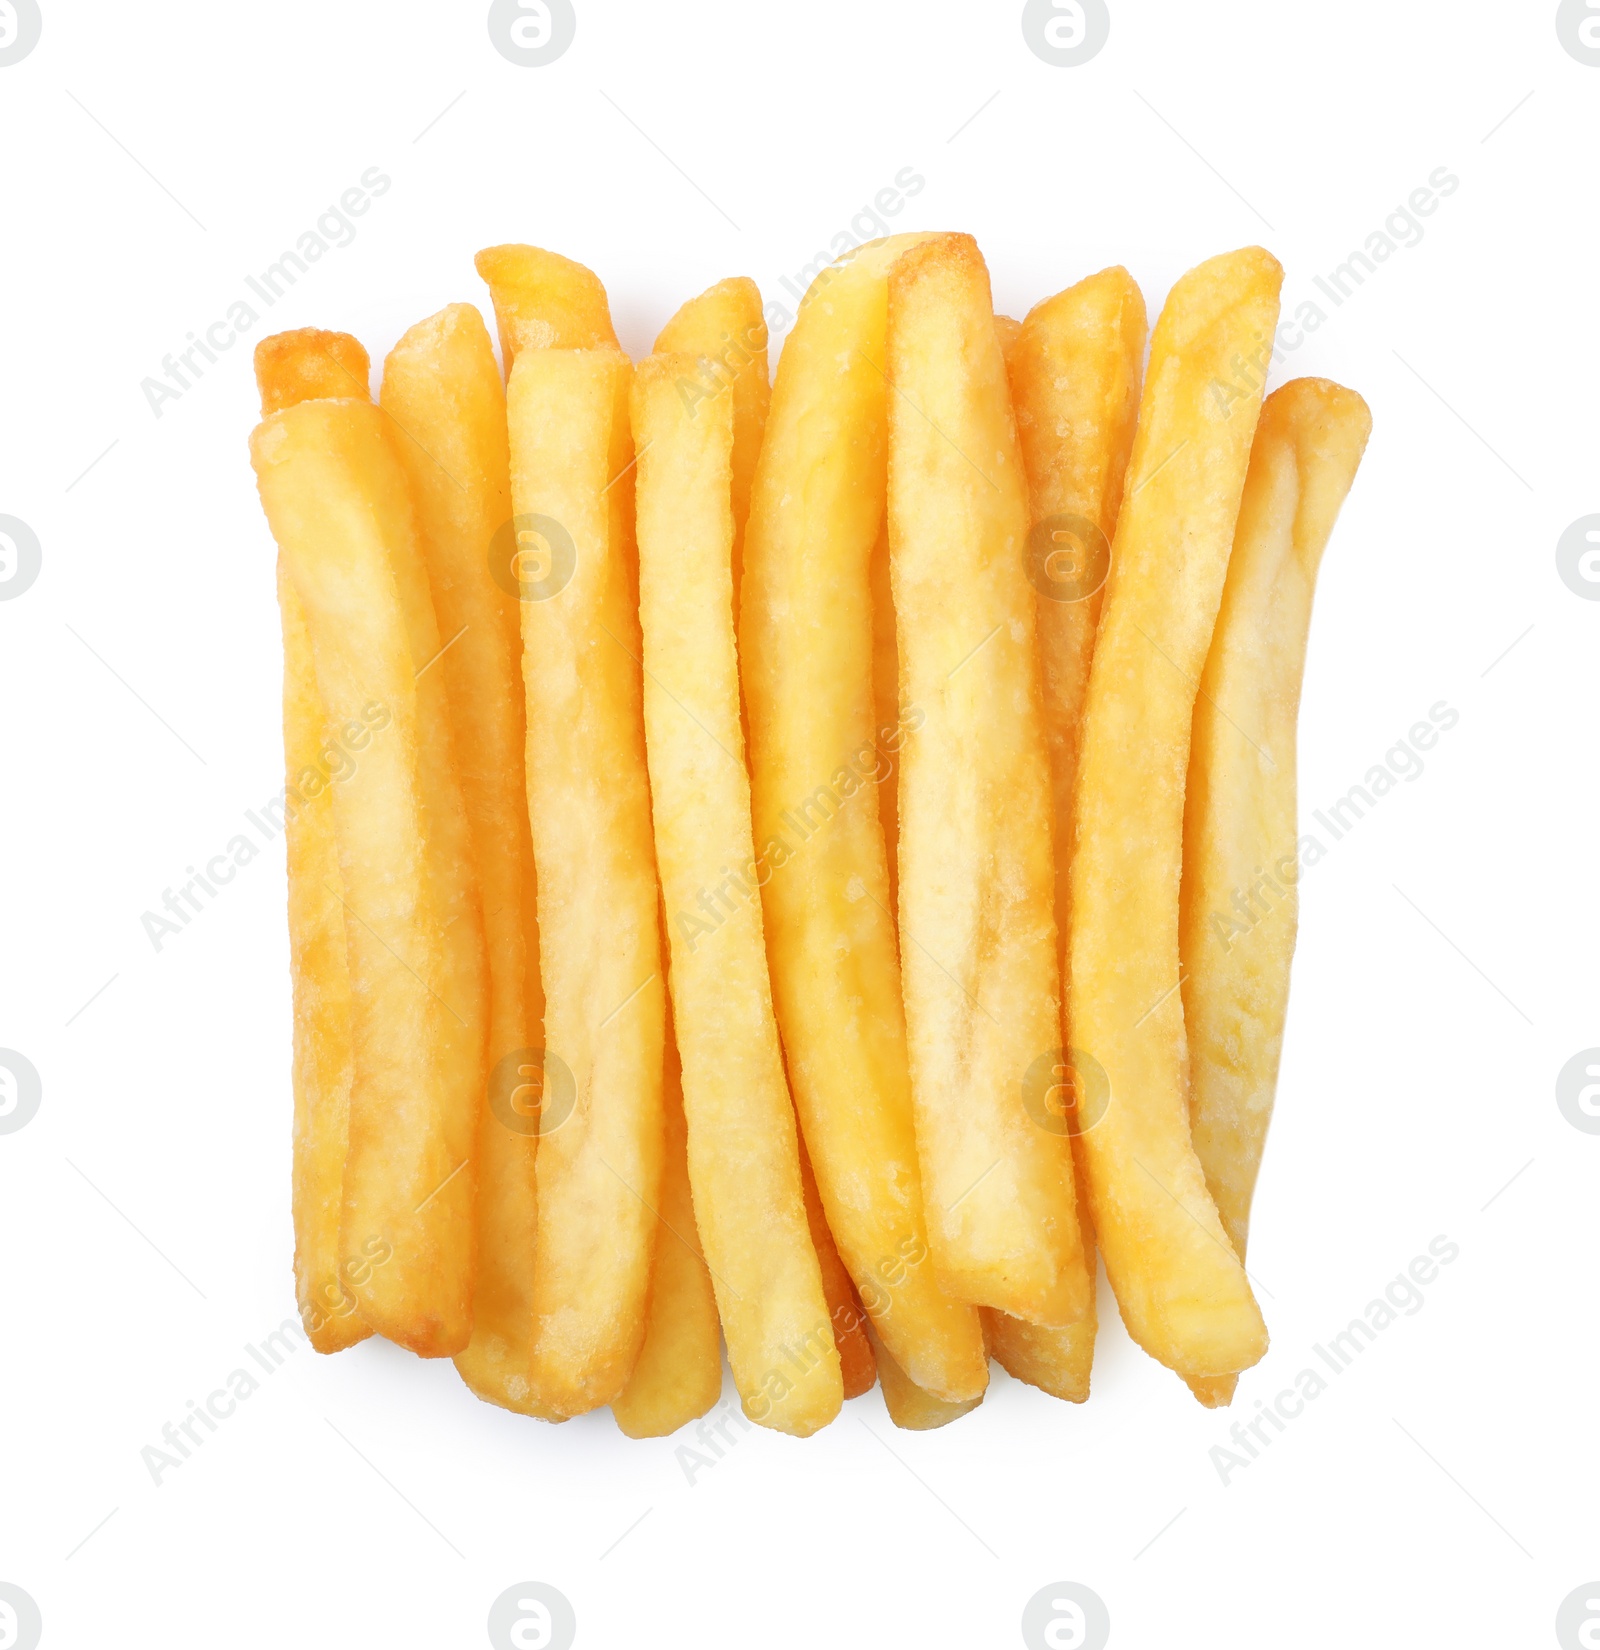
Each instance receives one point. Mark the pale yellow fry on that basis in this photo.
(1240, 905)
(744, 1161)
(290, 367)
(977, 925)
(857, 1368)
(442, 391)
(820, 746)
(1182, 1290)
(678, 1375)
(322, 1055)
(725, 331)
(909, 1406)
(338, 504)
(544, 301)
(1074, 367)
(598, 1169)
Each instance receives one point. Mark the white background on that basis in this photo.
(1441, 1490)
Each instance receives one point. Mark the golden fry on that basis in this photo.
(544, 301)
(338, 504)
(297, 366)
(857, 1368)
(598, 1168)
(442, 390)
(744, 1158)
(908, 1404)
(819, 745)
(1074, 367)
(1183, 1292)
(977, 926)
(1240, 906)
(678, 1375)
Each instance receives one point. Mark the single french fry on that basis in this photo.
(744, 1161)
(1240, 906)
(290, 367)
(856, 1365)
(322, 1056)
(442, 391)
(598, 1166)
(339, 507)
(678, 1375)
(1074, 367)
(1182, 1290)
(909, 1406)
(544, 301)
(310, 364)
(819, 744)
(977, 927)
(725, 331)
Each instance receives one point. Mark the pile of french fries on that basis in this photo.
(818, 862)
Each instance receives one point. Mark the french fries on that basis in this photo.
(977, 927)
(1240, 906)
(678, 1374)
(308, 365)
(1183, 1292)
(1074, 367)
(544, 301)
(908, 1405)
(809, 639)
(598, 1165)
(338, 504)
(857, 1367)
(443, 394)
(744, 1159)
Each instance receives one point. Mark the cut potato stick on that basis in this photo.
(598, 1167)
(1241, 867)
(1074, 367)
(544, 301)
(296, 366)
(678, 1376)
(818, 744)
(744, 1161)
(724, 331)
(977, 925)
(442, 390)
(856, 1365)
(338, 504)
(310, 364)
(322, 1056)
(1182, 1290)
(908, 1405)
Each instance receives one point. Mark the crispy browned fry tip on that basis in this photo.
(310, 364)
